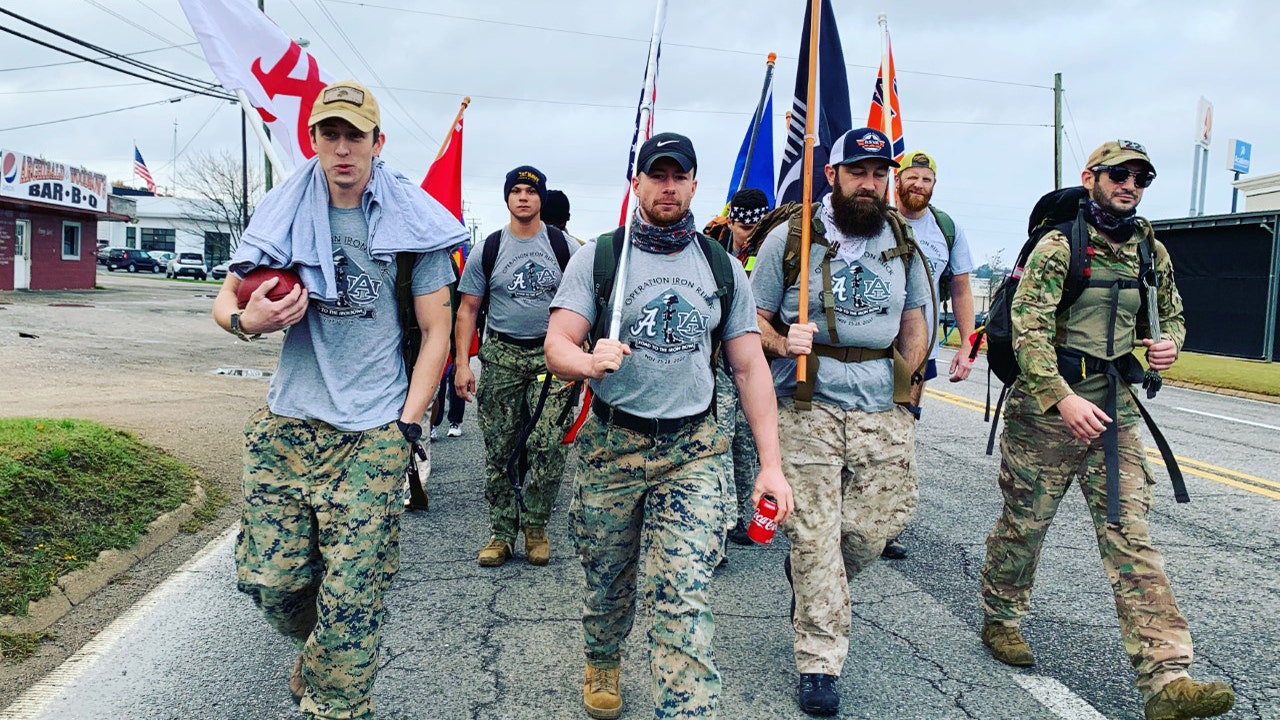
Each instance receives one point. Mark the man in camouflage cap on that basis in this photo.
(1054, 431)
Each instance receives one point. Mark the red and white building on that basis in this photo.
(49, 215)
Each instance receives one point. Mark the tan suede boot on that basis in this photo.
(495, 553)
(601, 693)
(1007, 644)
(536, 546)
(297, 681)
(1185, 698)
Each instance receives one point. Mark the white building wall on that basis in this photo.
(163, 213)
(1261, 192)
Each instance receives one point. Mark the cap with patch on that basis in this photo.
(667, 145)
(919, 159)
(861, 144)
(348, 100)
(1118, 152)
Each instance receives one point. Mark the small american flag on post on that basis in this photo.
(140, 169)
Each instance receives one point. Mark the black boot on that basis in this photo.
(738, 534)
(818, 694)
(894, 550)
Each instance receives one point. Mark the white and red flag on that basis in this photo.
(249, 52)
(444, 178)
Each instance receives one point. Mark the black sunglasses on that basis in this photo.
(1119, 174)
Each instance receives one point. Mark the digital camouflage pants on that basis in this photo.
(1038, 460)
(507, 394)
(742, 462)
(318, 546)
(853, 478)
(665, 498)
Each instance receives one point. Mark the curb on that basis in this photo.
(1217, 390)
(77, 586)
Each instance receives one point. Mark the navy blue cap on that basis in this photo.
(860, 144)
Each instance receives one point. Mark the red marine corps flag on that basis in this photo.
(249, 54)
(444, 178)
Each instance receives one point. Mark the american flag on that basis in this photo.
(140, 169)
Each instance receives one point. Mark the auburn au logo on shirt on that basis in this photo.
(357, 289)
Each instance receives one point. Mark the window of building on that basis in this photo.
(161, 239)
(217, 248)
(70, 241)
(131, 237)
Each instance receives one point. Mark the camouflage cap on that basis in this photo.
(1118, 152)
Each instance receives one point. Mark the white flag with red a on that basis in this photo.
(249, 52)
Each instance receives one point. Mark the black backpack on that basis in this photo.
(489, 258)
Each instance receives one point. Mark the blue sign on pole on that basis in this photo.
(1240, 153)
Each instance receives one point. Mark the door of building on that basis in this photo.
(22, 256)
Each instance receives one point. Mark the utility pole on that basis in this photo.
(1057, 131)
(266, 164)
(173, 166)
(244, 173)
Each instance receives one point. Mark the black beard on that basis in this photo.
(858, 219)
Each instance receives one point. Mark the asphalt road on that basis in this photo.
(468, 642)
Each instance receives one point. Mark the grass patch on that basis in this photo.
(215, 498)
(70, 489)
(16, 648)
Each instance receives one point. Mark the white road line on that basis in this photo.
(1057, 698)
(32, 703)
(1226, 417)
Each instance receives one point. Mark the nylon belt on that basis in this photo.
(804, 391)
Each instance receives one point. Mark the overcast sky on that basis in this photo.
(554, 84)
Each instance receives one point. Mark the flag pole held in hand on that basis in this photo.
(806, 222)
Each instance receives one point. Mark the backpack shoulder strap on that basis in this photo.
(604, 269)
(722, 271)
(1080, 267)
(946, 225)
(489, 257)
(404, 308)
(559, 245)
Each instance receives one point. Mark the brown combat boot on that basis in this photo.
(1007, 644)
(536, 546)
(495, 553)
(601, 695)
(297, 681)
(1185, 698)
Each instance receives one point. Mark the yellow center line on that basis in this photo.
(1190, 466)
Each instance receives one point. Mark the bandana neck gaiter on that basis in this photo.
(662, 239)
(1117, 227)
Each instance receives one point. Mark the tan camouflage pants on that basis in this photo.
(507, 394)
(318, 546)
(665, 499)
(853, 476)
(1038, 460)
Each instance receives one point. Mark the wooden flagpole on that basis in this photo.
(444, 144)
(806, 216)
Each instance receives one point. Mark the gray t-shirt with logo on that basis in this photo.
(870, 295)
(525, 277)
(669, 311)
(341, 363)
(934, 244)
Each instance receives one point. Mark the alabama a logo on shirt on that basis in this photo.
(531, 280)
(859, 292)
(668, 324)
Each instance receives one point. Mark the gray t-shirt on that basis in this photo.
(870, 296)
(934, 244)
(669, 311)
(341, 363)
(525, 277)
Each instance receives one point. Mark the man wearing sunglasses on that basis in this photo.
(1055, 429)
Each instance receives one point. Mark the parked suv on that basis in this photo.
(188, 264)
(131, 260)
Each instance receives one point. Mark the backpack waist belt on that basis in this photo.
(645, 426)
(527, 343)
(804, 391)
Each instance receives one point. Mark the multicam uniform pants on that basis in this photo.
(1038, 459)
(318, 546)
(665, 496)
(742, 462)
(853, 478)
(507, 394)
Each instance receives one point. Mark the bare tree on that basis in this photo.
(213, 185)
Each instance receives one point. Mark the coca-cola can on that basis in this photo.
(763, 525)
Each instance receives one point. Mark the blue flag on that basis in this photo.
(832, 116)
(756, 154)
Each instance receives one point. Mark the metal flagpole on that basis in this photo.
(258, 131)
(642, 134)
(759, 118)
(886, 97)
(806, 201)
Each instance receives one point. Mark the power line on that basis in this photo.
(1074, 124)
(668, 44)
(104, 112)
(144, 29)
(161, 15)
(104, 57)
(82, 87)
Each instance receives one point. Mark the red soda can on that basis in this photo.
(763, 525)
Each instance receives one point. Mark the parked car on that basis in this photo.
(188, 265)
(219, 271)
(131, 260)
(162, 256)
(104, 252)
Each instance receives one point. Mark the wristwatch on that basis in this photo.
(235, 329)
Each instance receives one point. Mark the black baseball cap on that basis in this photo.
(668, 145)
(860, 144)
